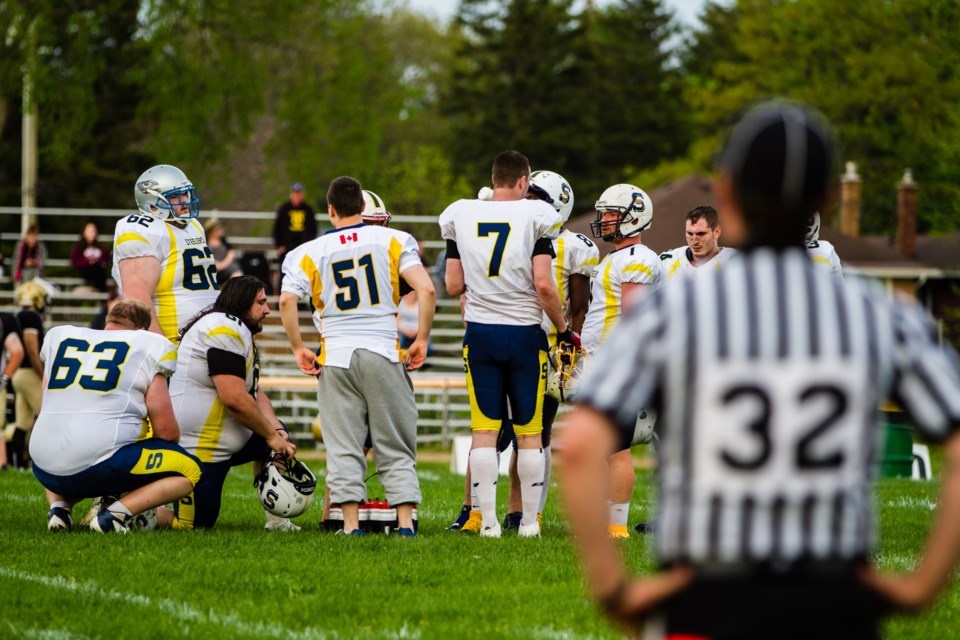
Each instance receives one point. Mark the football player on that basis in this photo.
(576, 257)
(99, 387)
(27, 379)
(374, 210)
(702, 248)
(499, 252)
(623, 213)
(160, 253)
(820, 251)
(11, 355)
(225, 420)
(353, 273)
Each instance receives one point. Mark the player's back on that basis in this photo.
(188, 273)
(576, 254)
(496, 242)
(94, 402)
(825, 257)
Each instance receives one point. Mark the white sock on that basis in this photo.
(60, 504)
(271, 517)
(484, 473)
(117, 508)
(619, 513)
(547, 456)
(474, 499)
(530, 471)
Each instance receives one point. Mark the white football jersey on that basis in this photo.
(94, 402)
(679, 261)
(576, 254)
(207, 428)
(188, 276)
(634, 264)
(352, 275)
(496, 241)
(825, 257)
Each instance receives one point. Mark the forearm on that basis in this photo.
(247, 412)
(550, 302)
(427, 304)
(289, 316)
(266, 407)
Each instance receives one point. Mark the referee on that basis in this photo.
(767, 375)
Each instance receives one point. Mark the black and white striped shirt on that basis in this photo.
(767, 375)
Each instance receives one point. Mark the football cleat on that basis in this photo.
(491, 532)
(145, 521)
(618, 531)
(645, 526)
(109, 522)
(98, 505)
(404, 532)
(511, 521)
(473, 523)
(282, 524)
(461, 518)
(59, 519)
(356, 533)
(529, 530)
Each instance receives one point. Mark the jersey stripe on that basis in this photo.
(316, 281)
(226, 331)
(395, 250)
(131, 237)
(166, 299)
(210, 434)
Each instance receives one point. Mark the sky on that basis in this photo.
(685, 10)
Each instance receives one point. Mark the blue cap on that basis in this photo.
(296, 187)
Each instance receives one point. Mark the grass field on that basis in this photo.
(239, 581)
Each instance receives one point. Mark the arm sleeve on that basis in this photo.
(453, 252)
(544, 247)
(626, 373)
(220, 362)
(410, 254)
(448, 230)
(298, 272)
(927, 377)
(166, 358)
(585, 258)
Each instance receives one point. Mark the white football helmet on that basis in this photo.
(643, 432)
(635, 211)
(564, 378)
(157, 185)
(553, 189)
(374, 211)
(485, 194)
(287, 490)
(813, 227)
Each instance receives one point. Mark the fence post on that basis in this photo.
(445, 427)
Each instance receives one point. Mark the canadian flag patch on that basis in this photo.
(348, 237)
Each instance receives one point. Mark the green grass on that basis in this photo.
(239, 581)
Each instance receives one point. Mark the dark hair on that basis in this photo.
(707, 213)
(130, 312)
(32, 229)
(509, 167)
(346, 196)
(781, 156)
(236, 297)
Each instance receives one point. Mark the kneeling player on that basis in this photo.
(99, 386)
(225, 421)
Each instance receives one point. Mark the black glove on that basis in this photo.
(568, 337)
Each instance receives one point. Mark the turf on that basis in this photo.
(239, 581)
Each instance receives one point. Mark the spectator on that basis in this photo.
(29, 256)
(295, 224)
(90, 259)
(223, 254)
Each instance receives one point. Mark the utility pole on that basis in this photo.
(28, 163)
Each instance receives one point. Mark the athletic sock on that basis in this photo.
(619, 513)
(530, 472)
(119, 510)
(484, 472)
(547, 456)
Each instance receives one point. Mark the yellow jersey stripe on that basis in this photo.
(131, 237)
(316, 282)
(556, 227)
(560, 288)
(226, 331)
(641, 268)
(822, 260)
(395, 250)
(171, 355)
(212, 428)
(674, 267)
(611, 304)
(592, 262)
(322, 358)
(166, 300)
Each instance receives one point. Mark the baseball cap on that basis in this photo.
(296, 187)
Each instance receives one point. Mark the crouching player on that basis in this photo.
(226, 421)
(99, 386)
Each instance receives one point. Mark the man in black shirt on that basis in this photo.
(295, 224)
(13, 346)
(27, 379)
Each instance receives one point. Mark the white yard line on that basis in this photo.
(45, 634)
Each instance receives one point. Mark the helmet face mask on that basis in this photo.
(562, 382)
(553, 189)
(286, 490)
(374, 210)
(634, 213)
(813, 227)
(164, 191)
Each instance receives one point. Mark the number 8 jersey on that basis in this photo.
(352, 275)
(188, 274)
(94, 402)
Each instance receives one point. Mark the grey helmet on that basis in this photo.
(157, 185)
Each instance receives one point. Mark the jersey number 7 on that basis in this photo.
(502, 231)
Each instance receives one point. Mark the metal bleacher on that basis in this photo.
(440, 390)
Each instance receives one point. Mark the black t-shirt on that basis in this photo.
(294, 226)
(8, 325)
(30, 320)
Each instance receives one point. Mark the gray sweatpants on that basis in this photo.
(373, 394)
